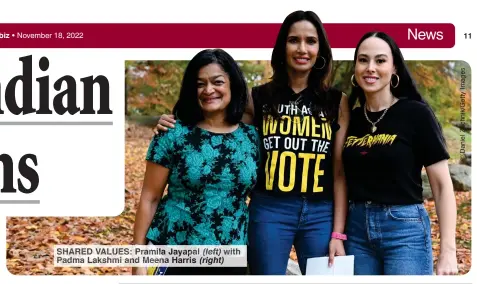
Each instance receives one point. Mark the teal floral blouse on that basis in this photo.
(210, 177)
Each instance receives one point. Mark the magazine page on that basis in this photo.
(236, 142)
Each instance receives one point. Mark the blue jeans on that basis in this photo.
(277, 223)
(389, 239)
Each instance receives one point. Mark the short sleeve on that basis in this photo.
(252, 133)
(160, 149)
(430, 139)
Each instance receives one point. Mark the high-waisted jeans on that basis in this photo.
(277, 223)
(389, 239)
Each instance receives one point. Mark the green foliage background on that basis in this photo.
(152, 88)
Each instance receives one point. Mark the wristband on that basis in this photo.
(339, 236)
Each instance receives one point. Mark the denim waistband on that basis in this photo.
(289, 197)
(381, 205)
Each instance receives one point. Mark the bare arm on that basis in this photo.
(443, 192)
(340, 191)
(249, 112)
(155, 180)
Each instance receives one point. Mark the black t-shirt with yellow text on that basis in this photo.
(385, 166)
(296, 150)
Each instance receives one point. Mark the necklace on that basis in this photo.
(373, 124)
(296, 104)
(297, 100)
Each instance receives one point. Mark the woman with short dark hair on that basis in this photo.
(209, 161)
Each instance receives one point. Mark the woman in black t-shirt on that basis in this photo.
(300, 197)
(391, 137)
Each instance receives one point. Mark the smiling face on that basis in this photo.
(302, 47)
(213, 89)
(374, 66)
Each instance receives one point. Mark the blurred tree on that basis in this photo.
(152, 87)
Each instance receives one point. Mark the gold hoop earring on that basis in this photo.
(324, 63)
(352, 81)
(397, 84)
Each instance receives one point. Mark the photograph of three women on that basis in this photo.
(305, 156)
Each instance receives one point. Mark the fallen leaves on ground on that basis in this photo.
(30, 241)
(463, 230)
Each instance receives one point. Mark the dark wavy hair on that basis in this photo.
(318, 80)
(407, 87)
(187, 107)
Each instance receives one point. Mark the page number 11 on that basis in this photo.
(468, 36)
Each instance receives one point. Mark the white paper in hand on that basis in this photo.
(343, 265)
